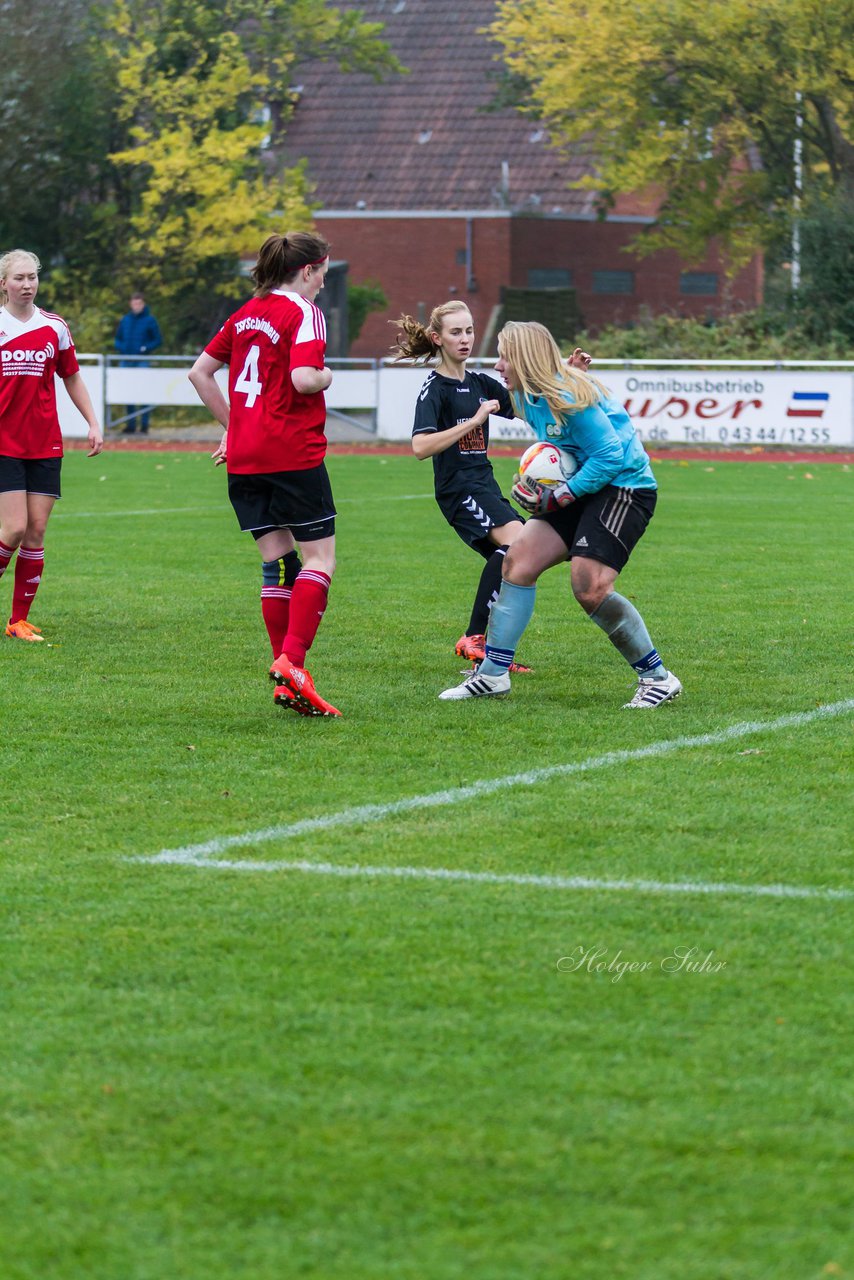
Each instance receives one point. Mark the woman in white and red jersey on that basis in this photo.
(35, 346)
(274, 446)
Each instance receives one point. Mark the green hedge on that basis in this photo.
(750, 335)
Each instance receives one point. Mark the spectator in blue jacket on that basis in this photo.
(138, 334)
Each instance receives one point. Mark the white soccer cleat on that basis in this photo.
(653, 690)
(478, 686)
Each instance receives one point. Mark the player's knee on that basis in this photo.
(589, 600)
(589, 590)
(321, 563)
(519, 568)
(507, 533)
(511, 563)
(12, 535)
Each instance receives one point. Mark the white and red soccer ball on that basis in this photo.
(546, 465)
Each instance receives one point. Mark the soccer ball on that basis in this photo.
(546, 465)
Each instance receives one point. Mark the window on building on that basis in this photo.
(613, 281)
(462, 257)
(704, 283)
(549, 278)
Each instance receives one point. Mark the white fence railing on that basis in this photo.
(733, 402)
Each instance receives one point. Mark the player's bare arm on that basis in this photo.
(308, 381)
(428, 443)
(203, 377)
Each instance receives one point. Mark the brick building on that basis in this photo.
(426, 190)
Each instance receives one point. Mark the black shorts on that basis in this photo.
(473, 511)
(31, 475)
(297, 500)
(607, 525)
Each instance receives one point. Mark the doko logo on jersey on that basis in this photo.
(26, 359)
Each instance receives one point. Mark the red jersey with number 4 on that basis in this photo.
(271, 425)
(32, 353)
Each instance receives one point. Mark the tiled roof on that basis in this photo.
(424, 140)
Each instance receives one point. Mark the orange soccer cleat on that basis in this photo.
(473, 648)
(296, 690)
(519, 669)
(23, 630)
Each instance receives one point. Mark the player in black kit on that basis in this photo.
(452, 427)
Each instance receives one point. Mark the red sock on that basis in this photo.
(275, 610)
(28, 573)
(6, 554)
(308, 603)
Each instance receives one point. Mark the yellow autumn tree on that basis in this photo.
(700, 101)
(195, 162)
(202, 89)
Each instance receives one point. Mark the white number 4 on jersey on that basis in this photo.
(248, 382)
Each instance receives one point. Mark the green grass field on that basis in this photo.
(237, 1074)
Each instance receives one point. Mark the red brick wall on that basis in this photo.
(585, 247)
(415, 261)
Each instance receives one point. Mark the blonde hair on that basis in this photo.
(413, 339)
(6, 266)
(541, 370)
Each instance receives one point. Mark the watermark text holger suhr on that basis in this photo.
(693, 960)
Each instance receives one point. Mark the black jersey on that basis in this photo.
(444, 402)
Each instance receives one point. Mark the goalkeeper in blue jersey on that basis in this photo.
(595, 518)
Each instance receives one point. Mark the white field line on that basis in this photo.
(207, 854)
(578, 883)
(220, 507)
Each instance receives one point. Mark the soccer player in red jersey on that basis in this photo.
(35, 347)
(274, 447)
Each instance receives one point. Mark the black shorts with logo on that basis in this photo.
(31, 475)
(605, 526)
(297, 500)
(473, 511)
